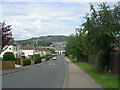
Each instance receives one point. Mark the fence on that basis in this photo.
(7, 64)
(113, 62)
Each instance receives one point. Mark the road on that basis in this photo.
(46, 75)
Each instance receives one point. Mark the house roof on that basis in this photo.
(27, 47)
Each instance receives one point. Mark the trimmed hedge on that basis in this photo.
(26, 61)
(8, 56)
(47, 57)
(37, 58)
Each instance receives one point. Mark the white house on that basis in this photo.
(27, 50)
(41, 51)
(15, 48)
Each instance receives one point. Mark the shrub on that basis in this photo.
(37, 58)
(0, 59)
(8, 56)
(47, 58)
(18, 60)
(42, 57)
(26, 61)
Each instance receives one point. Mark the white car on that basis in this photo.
(54, 58)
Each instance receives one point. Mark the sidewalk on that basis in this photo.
(77, 78)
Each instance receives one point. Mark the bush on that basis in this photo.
(0, 59)
(47, 57)
(18, 60)
(8, 56)
(37, 58)
(26, 61)
(42, 57)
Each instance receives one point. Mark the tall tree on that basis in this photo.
(5, 36)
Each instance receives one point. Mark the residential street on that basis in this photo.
(46, 75)
(60, 73)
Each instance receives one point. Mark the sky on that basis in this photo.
(35, 18)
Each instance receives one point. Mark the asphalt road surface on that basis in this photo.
(46, 75)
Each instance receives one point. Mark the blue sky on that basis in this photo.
(34, 19)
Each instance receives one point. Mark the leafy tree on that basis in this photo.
(5, 36)
(101, 29)
(99, 34)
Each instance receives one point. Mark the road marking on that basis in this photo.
(65, 63)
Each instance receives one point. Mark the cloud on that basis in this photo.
(34, 19)
(60, 1)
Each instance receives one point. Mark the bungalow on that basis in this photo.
(27, 51)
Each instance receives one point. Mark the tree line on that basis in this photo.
(100, 33)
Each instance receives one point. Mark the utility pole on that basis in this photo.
(33, 53)
(0, 38)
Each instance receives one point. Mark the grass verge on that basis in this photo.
(106, 80)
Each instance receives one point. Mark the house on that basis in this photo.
(27, 50)
(42, 51)
(15, 48)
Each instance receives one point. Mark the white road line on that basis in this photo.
(65, 63)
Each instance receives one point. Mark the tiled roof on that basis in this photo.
(27, 47)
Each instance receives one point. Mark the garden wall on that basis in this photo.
(7, 64)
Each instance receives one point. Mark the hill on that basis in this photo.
(44, 40)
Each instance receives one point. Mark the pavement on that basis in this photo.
(77, 78)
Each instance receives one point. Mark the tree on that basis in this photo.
(5, 36)
(116, 13)
(98, 35)
(101, 27)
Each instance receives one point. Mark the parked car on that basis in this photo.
(54, 58)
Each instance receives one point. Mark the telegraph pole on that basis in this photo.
(0, 37)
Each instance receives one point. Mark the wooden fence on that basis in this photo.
(114, 62)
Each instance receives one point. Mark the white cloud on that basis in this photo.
(60, 0)
(35, 19)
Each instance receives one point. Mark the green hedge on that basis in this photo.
(0, 59)
(47, 57)
(26, 61)
(8, 56)
(37, 58)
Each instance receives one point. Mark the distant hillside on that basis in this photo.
(44, 40)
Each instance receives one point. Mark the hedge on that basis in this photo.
(8, 56)
(47, 57)
(37, 58)
(26, 61)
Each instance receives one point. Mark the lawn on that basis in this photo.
(106, 80)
